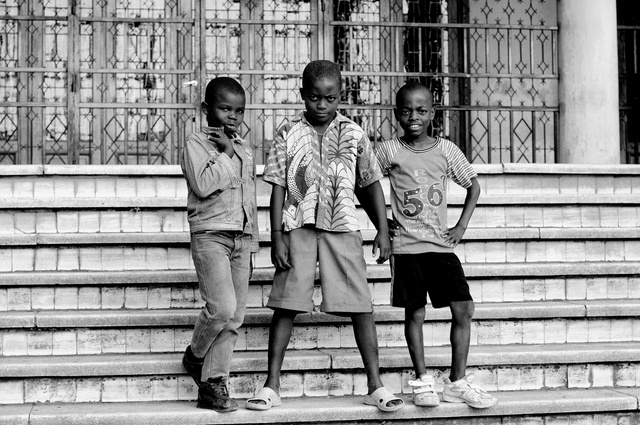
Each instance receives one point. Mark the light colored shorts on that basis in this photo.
(343, 273)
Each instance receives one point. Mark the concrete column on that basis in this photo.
(588, 86)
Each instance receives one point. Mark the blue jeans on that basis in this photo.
(222, 261)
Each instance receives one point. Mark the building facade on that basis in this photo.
(119, 82)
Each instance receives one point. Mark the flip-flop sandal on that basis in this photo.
(264, 399)
(381, 398)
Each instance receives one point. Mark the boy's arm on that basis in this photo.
(205, 176)
(279, 249)
(255, 237)
(454, 234)
(371, 198)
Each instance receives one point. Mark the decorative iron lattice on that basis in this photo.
(265, 45)
(491, 65)
(33, 74)
(134, 58)
(629, 79)
(102, 82)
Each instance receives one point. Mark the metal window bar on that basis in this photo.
(265, 45)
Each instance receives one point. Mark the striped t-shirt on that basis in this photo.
(418, 180)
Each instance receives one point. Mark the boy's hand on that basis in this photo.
(454, 235)
(383, 243)
(224, 143)
(393, 228)
(280, 253)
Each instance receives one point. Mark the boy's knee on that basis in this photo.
(463, 311)
(221, 313)
(416, 316)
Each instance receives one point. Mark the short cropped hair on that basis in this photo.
(320, 70)
(411, 86)
(222, 84)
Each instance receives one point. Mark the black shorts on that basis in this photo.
(439, 274)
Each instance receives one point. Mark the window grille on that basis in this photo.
(112, 82)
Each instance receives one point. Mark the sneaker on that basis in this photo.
(194, 369)
(214, 395)
(424, 393)
(464, 391)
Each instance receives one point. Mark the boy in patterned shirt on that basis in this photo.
(315, 164)
(422, 258)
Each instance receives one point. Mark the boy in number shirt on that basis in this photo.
(422, 259)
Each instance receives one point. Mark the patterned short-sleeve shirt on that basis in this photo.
(320, 173)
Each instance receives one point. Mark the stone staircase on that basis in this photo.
(98, 297)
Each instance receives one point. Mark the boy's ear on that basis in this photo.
(395, 113)
(302, 92)
(205, 107)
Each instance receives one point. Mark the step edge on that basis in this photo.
(490, 311)
(332, 360)
(494, 234)
(374, 271)
(334, 409)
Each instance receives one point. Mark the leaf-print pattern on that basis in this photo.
(337, 216)
(342, 152)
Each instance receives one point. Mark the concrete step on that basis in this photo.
(82, 294)
(315, 373)
(517, 211)
(588, 407)
(179, 202)
(32, 292)
(155, 181)
(73, 332)
(182, 238)
(158, 273)
(103, 199)
(172, 252)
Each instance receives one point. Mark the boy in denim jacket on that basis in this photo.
(220, 172)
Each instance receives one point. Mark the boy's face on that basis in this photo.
(414, 112)
(225, 110)
(321, 100)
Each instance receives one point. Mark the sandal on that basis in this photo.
(381, 398)
(264, 399)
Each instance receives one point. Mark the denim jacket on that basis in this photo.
(221, 190)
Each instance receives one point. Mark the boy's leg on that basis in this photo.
(291, 293)
(462, 312)
(413, 322)
(222, 265)
(279, 337)
(460, 387)
(218, 359)
(345, 291)
(364, 330)
(211, 255)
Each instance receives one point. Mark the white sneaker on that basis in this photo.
(464, 391)
(424, 393)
